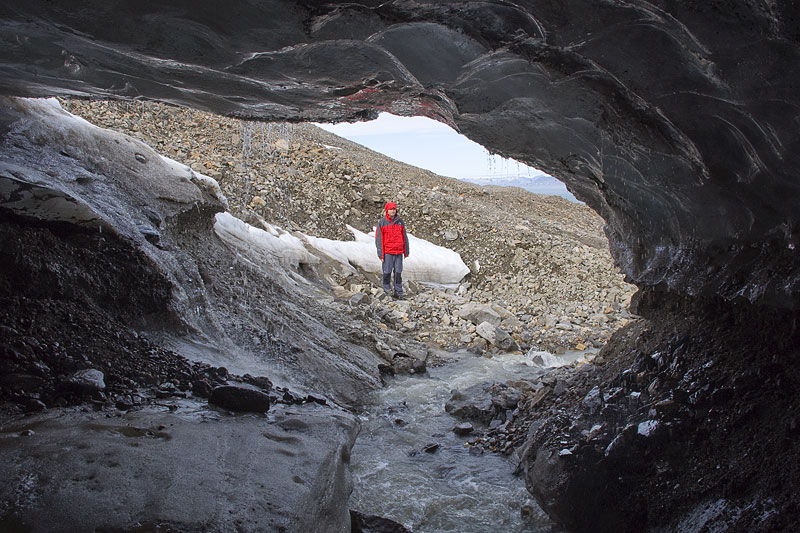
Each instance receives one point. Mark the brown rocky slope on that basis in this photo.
(543, 259)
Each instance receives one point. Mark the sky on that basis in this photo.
(428, 144)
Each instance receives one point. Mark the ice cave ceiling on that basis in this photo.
(678, 121)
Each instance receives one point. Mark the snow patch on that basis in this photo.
(202, 181)
(275, 245)
(427, 262)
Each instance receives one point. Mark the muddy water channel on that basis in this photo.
(398, 474)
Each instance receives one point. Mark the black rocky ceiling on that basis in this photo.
(678, 121)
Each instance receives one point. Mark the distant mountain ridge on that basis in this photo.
(539, 184)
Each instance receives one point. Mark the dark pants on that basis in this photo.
(393, 262)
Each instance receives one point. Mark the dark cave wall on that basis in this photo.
(675, 120)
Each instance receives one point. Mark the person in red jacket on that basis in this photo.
(392, 244)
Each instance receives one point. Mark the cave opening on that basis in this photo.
(546, 259)
(675, 121)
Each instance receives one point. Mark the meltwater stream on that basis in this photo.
(450, 489)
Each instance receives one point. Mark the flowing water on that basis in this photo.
(448, 489)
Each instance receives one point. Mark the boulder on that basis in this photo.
(505, 397)
(477, 313)
(433, 447)
(474, 403)
(240, 399)
(465, 428)
(88, 380)
(406, 364)
(487, 331)
(359, 299)
(594, 399)
(496, 336)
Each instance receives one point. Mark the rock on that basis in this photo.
(359, 299)
(431, 448)
(240, 399)
(511, 323)
(218, 372)
(262, 382)
(594, 399)
(478, 313)
(502, 312)
(479, 345)
(450, 235)
(505, 397)
(487, 331)
(527, 509)
(88, 380)
(496, 336)
(418, 367)
(647, 428)
(124, 403)
(202, 388)
(165, 390)
(465, 428)
(594, 431)
(474, 403)
(406, 364)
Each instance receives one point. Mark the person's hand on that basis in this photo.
(406, 256)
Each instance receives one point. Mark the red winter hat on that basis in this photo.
(390, 205)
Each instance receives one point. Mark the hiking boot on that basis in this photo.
(398, 296)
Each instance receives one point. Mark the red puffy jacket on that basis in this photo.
(390, 236)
